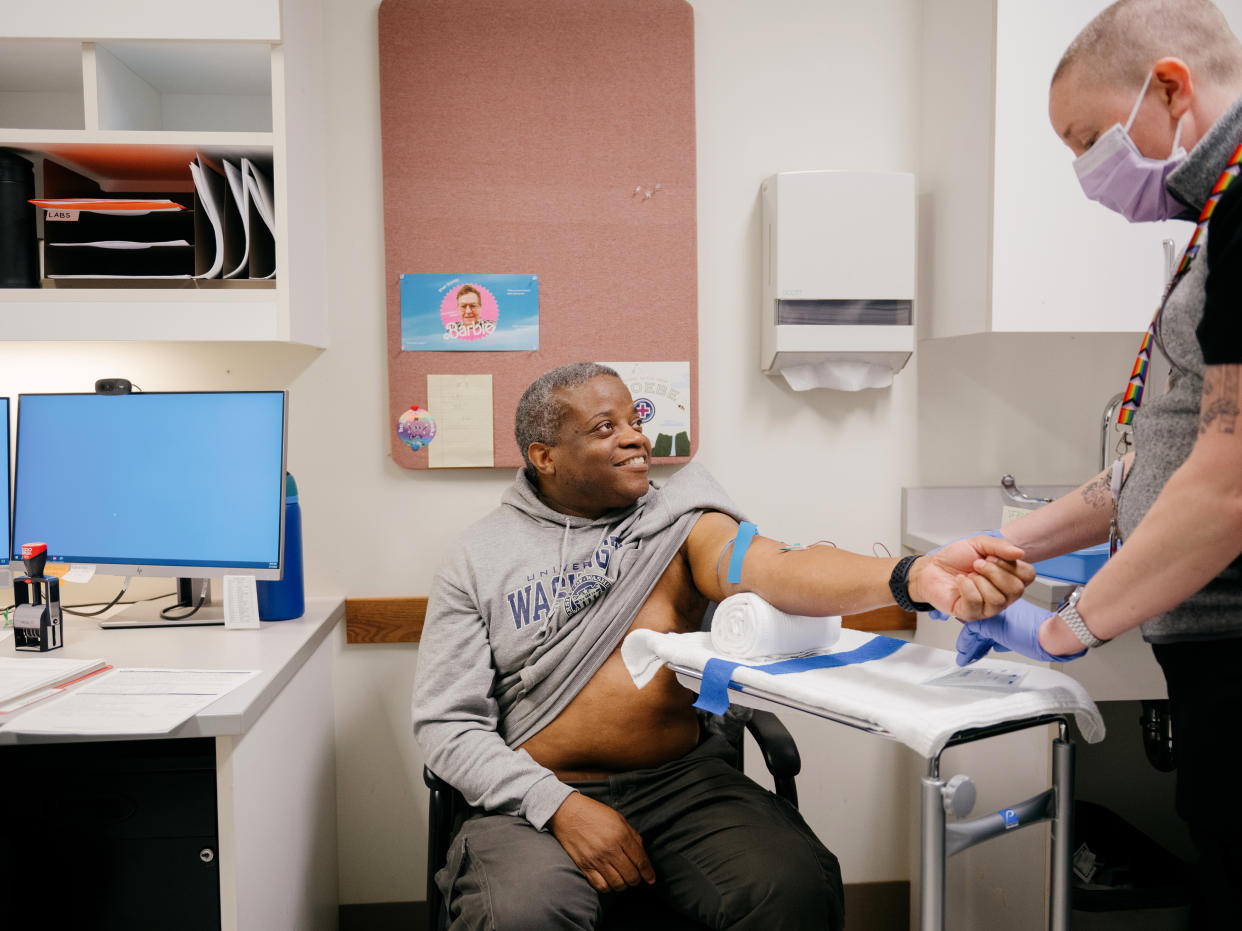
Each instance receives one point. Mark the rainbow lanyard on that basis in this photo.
(1133, 396)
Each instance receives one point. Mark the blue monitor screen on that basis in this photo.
(153, 480)
(4, 461)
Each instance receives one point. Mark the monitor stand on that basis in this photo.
(147, 613)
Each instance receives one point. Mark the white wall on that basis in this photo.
(781, 85)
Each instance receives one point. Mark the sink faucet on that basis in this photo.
(1016, 494)
(1010, 486)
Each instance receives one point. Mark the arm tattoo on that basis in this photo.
(1098, 492)
(1220, 410)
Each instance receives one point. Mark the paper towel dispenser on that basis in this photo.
(838, 277)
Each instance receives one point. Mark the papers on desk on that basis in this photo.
(131, 702)
(27, 679)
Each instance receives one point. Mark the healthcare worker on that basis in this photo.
(1149, 99)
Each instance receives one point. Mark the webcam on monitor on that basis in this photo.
(113, 386)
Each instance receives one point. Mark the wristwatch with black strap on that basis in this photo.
(898, 585)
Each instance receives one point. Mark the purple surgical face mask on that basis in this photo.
(1116, 174)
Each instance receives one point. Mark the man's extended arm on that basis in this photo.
(1191, 533)
(455, 715)
(971, 578)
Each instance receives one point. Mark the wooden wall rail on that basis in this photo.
(400, 620)
(384, 620)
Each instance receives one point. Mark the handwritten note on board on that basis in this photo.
(462, 407)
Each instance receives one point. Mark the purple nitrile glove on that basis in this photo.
(1016, 628)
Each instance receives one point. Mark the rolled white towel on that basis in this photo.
(747, 626)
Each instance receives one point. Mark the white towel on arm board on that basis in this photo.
(891, 692)
(746, 626)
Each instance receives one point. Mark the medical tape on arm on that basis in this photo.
(718, 673)
(746, 532)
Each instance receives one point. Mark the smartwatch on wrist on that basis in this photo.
(898, 585)
(1073, 620)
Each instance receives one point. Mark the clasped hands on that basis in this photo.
(971, 579)
(990, 623)
(981, 579)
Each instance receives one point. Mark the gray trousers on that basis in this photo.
(726, 852)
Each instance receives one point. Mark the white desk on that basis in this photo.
(275, 758)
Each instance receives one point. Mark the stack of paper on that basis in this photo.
(235, 224)
(132, 701)
(28, 679)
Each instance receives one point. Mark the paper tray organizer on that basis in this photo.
(65, 254)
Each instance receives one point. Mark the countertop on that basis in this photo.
(277, 649)
(1123, 669)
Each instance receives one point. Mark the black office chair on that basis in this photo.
(446, 810)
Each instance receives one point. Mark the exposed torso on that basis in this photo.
(611, 726)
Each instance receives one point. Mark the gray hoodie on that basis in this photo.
(527, 607)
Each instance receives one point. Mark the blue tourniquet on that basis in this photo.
(741, 543)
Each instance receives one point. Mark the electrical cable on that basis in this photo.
(136, 601)
(202, 599)
(124, 587)
(91, 604)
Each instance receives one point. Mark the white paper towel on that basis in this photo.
(842, 375)
(746, 626)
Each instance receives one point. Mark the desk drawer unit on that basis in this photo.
(116, 834)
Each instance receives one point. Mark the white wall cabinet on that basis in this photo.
(1009, 243)
(129, 107)
(144, 19)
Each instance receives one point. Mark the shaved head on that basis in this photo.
(1118, 48)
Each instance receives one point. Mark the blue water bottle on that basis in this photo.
(286, 599)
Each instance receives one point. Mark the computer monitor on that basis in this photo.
(4, 499)
(184, 484)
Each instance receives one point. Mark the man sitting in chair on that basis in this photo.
(583, 784)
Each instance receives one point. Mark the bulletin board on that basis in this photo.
(549, 138)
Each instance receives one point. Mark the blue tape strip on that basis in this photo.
(718, 673)
(741, 543)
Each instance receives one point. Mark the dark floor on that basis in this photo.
(868, 907)
(384, 916)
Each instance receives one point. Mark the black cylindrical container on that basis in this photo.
(19, 244)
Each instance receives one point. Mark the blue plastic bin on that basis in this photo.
(1075, 567)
